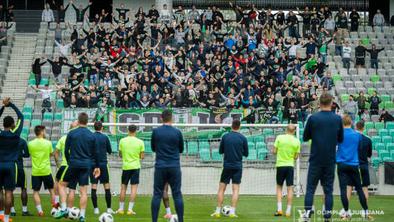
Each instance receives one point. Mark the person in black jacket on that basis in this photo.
(374, 100)
(105, 147)
(354, 20)
(374, 52)
(80, 12)
(57, 64)
(306, 21)
(9, 154)
(36, 69)
(360, 55)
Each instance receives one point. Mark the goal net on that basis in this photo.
(201, 161)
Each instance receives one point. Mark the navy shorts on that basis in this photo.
(365, 179)
(285, 173)
(77, 175)
(233, 175)
(348, 175)
(21, 178)
(37, 181)
(364, 173)
(8, 176)
(103, 178)
(131, 176)
(60, 173)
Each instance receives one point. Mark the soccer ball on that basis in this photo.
(226, 211)
(106, 217)
(73, 214)
(174, 218)
(54, 211)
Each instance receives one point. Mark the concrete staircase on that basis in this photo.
(18, 71)
(27, 20)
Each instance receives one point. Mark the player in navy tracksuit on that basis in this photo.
(9, 153)
(104, 145)
(326, 131)
(233, 146)
(81, 153)
(21, 179)
(348, 166)
(363, 155)
(167, 143)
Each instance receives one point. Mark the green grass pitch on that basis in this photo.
(199, 208)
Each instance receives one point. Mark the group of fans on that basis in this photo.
(199, 59)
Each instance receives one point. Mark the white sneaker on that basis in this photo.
(110, 211)
(96, 211)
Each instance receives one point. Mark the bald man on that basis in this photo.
(286, 149)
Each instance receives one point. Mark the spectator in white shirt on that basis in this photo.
(64, 48)
(346, 55)
(47, 14)
(378, 20)
(329, 25)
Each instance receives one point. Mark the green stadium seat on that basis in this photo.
(35, 122)
(268, 132)
(371, 90)
(344, 97)
(390, 125)
(391, 132)
(59, 103)
(388, 105)
(262, 153)
(375, 161)
(390, 146)
(27, 115)
(48, 116)
(148, 148)
(205, 155)
(251, 145)
(376, 139)
(204, 145)
(379, 146)
(54, 143)
(336, 77)
(252, 155)
(379, 125)
(383, 132)
(385, 98)
(387, 139)
(375, 78)
(192, 148)
(44, 82)
(387, 159)
(27, 109)
(32, 82)
(25, 130)
(261, 145)
(114, 146)
(216, 156)
(258, 139)
(392, 154)
(369, 125)
(58, 116)
(383, 154)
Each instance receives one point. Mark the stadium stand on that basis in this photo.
(343, 81)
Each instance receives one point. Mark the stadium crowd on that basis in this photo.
(199, 59)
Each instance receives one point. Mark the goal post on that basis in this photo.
(201, 157)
